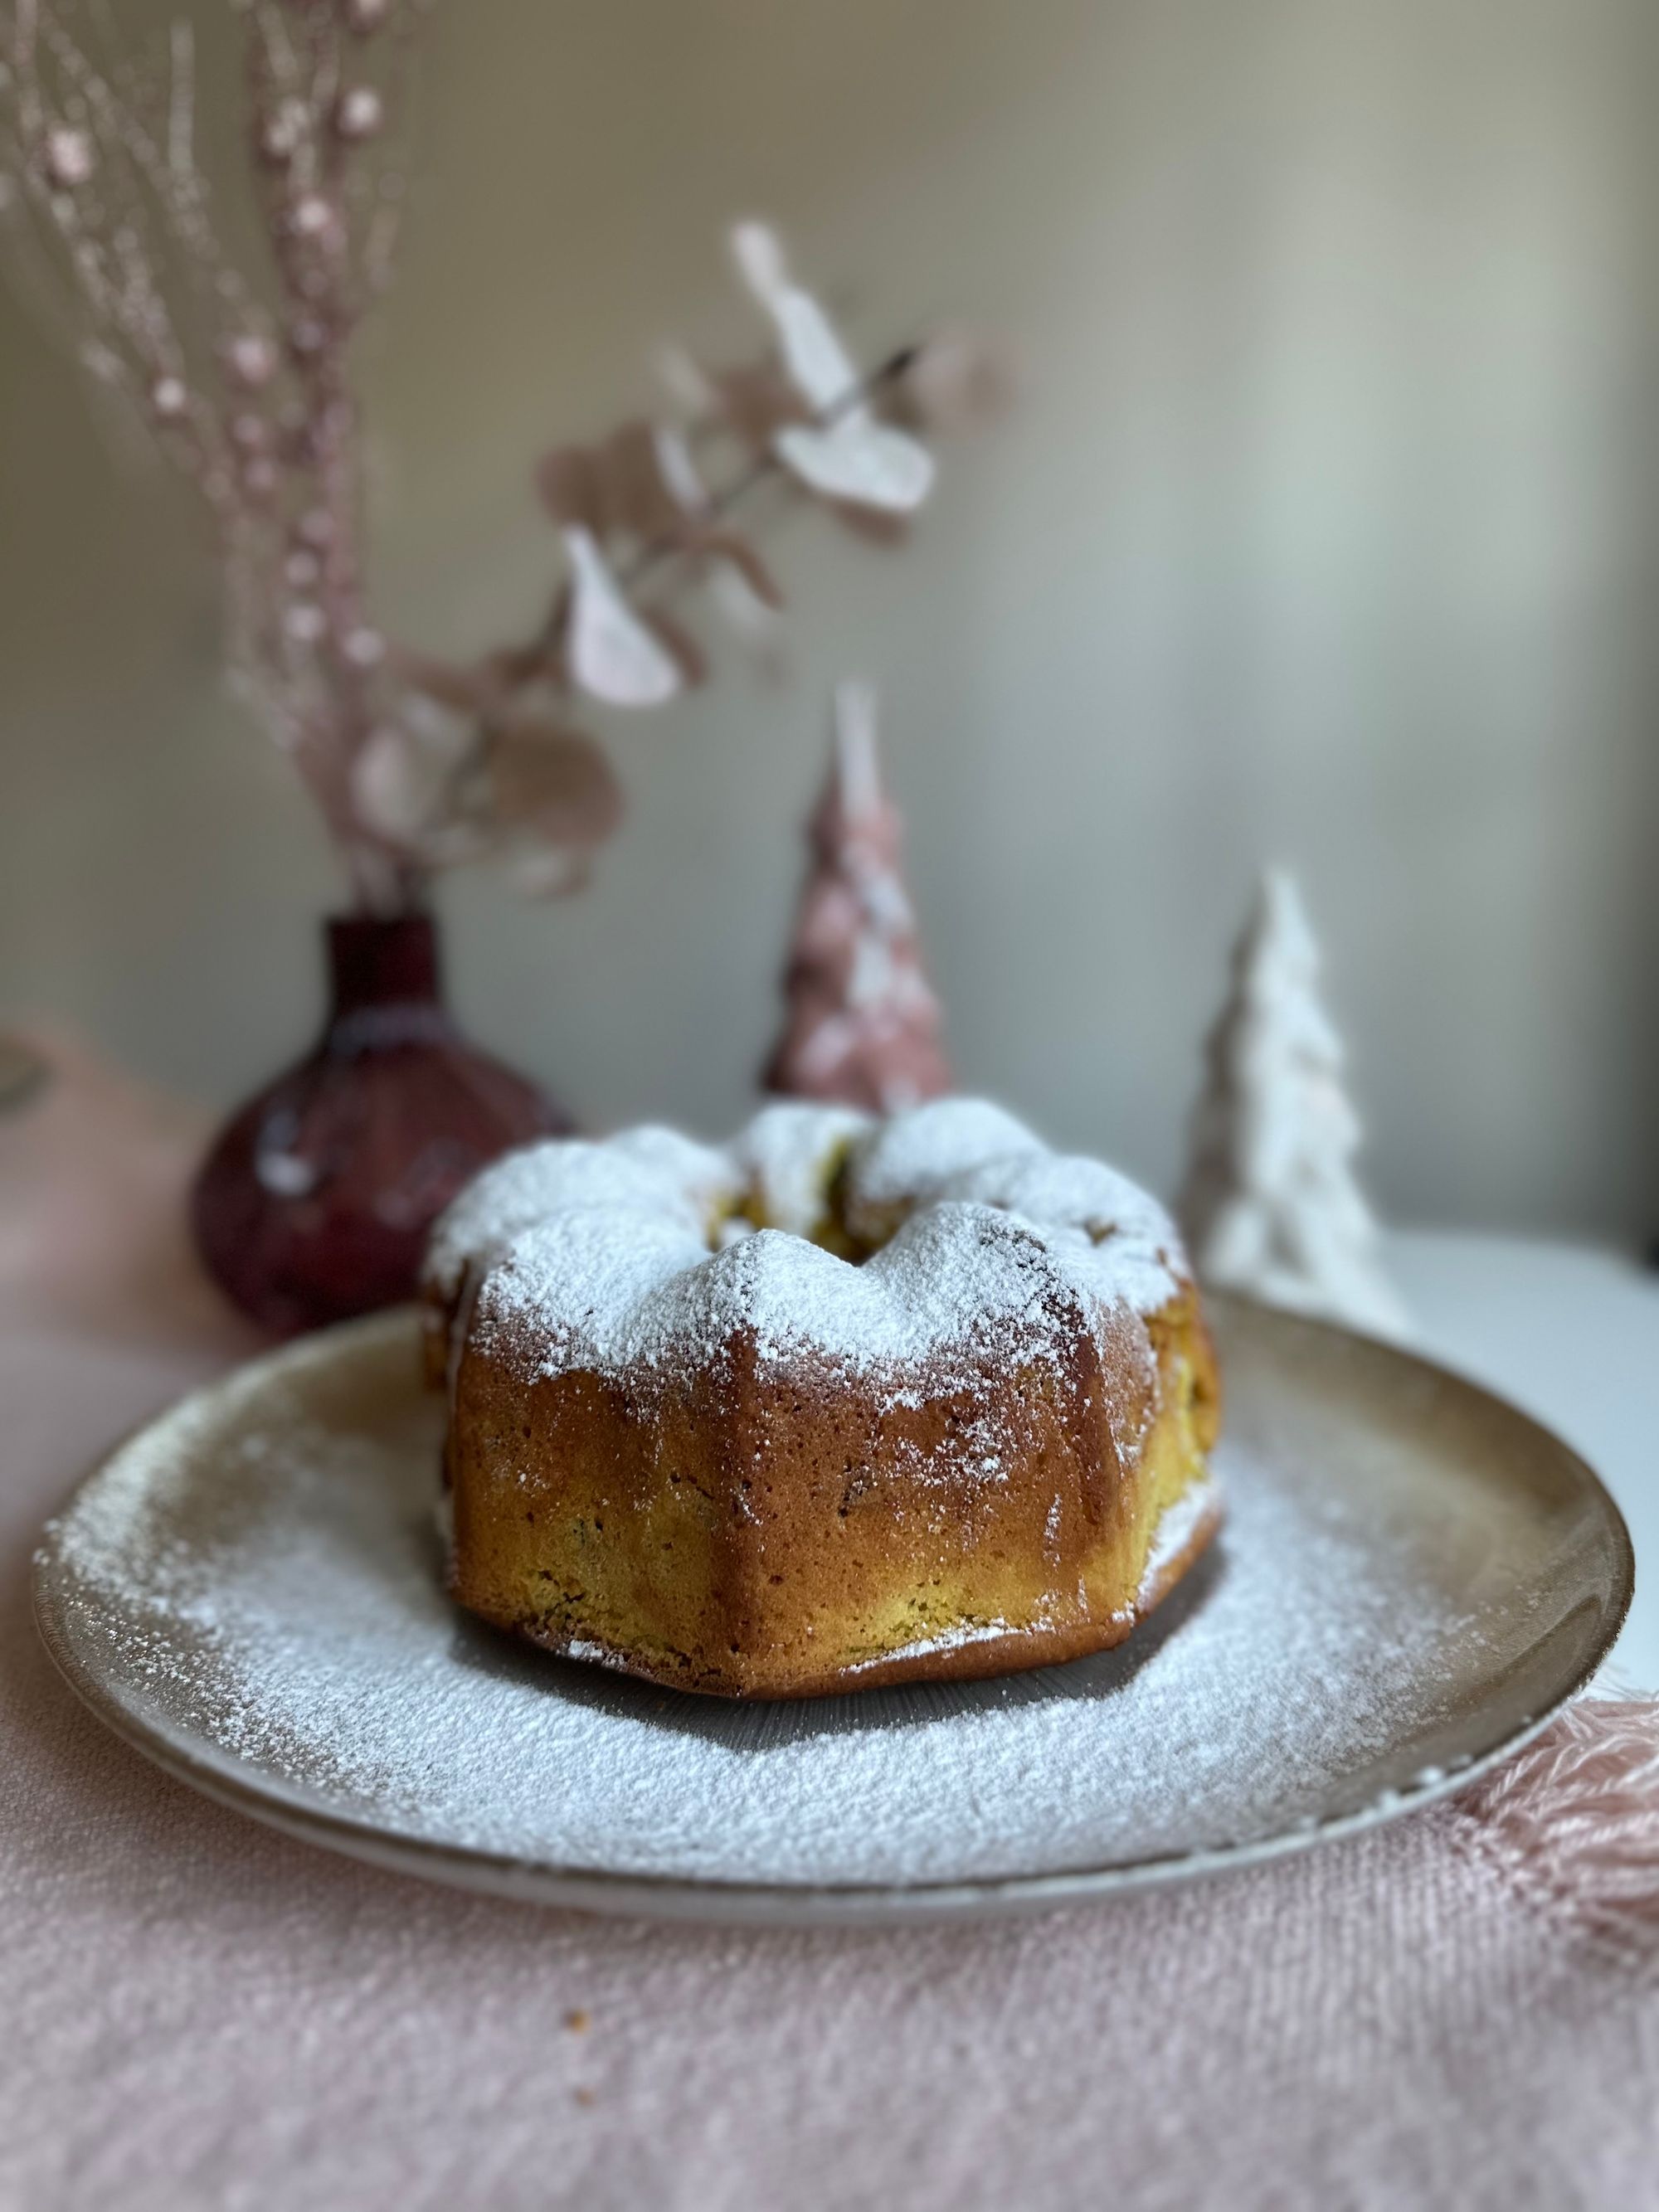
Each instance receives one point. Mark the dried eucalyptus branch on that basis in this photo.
(416, 764)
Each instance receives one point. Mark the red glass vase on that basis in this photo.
(315, 1199)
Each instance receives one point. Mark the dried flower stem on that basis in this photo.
(415, 764)
(765, 468)
(260, 413)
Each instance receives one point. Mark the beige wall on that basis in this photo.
(1326, 532)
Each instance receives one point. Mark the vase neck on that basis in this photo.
(376, 962)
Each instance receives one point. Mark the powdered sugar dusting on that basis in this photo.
(263, 1578)
(787, 1155)
(904, 1161)
(596, 1292)
(947, 1639)
(1138, 1253)
(1177, 1526)
(617, 1256)
(649, 1167)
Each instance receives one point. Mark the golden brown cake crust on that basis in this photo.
(768, 1472)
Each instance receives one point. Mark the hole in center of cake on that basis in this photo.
(811, 1204)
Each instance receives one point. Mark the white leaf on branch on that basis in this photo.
(686, 382)
(679, 471)
(402, 778)
(751, 618)
(852, 457)
(612, 655)
(820, 367)
(859, 459)
(1272, 1206)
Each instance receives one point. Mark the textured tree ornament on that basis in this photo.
(1272, 1206)
(845, 453)
(862, 1026)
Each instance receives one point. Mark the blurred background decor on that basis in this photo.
(94, 1238)
(1270, 1206)
(315, 1199)
(312, 1203)
(861, 1024)
(1326, 528)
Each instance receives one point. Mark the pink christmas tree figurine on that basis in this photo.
(863, 1026)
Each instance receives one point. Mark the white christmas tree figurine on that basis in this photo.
(1270, 1205)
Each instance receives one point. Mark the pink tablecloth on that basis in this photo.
(1459, 2011)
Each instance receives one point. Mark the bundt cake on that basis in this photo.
(842, 1402)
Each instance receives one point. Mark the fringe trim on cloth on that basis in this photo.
(1573, 1821)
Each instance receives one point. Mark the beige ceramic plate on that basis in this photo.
(1412, 1577)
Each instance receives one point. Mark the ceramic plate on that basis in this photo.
(1412, 1578)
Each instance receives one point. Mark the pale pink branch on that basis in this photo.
(415, 764)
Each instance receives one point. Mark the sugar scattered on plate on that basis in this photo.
(280, 1598)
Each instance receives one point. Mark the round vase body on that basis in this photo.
(315, 1201)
